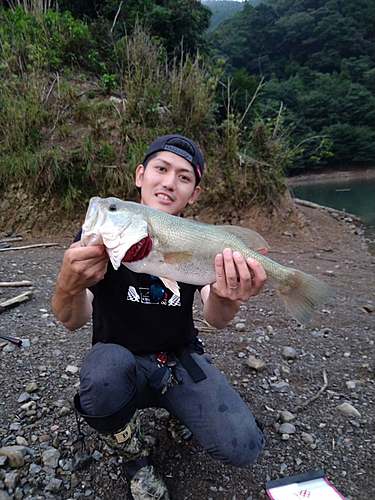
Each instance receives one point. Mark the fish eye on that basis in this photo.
(113, 207)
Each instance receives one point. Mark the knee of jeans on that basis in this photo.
(241, 451)
(108, 377)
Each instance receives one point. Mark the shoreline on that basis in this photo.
(334, 175)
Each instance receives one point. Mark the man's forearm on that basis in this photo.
(72, 310)
(219, 311)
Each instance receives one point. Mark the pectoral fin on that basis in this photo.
(178, 257)
(172, 285)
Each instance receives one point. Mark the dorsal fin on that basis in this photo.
(248, 236)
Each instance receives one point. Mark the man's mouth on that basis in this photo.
(164, 196)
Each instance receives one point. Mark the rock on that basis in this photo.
(4, 495)
(51, 458)
(348, 409)
(286, 417)
(15, 455)
(34, 469)
(241, 354)
(350, 384)
(54, 485)
(21, 441)
(11, 480)
(3, 461)
(255, 363)
(287, 429)
(240, 327)
(31, 387)
(329, 273)
(80, 460)
(10, 347)
(289, 353)
(72, 369)
(307, 438)
(26, 343)
(280, 386)
(25, 396)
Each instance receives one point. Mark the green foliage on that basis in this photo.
(317, 60)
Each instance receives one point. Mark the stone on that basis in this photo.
(307, 438)
(289, 353)
(15, 455)
(34, 469)
(51, 458)
(350, 384)
(72, 369)
(348, 409)
(26, 343)
(255, 363)
(4, 495)
(240, 327)
(3, 461)
(287, 429)
(25, 396)
(286, 417)
(31, 387)
(21, 441)
(11, 480)
(54, 485)
(241, 354)
(80, 460)
(280, 386)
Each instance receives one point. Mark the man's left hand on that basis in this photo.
(237, 278)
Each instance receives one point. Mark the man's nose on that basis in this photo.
(169, 181)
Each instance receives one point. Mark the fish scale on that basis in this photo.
(184, 251)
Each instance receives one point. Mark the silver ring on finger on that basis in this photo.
(234, 287)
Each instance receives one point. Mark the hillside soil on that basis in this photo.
(338, 344)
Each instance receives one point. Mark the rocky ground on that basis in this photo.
(38, 432)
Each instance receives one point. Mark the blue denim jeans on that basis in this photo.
(112, 378)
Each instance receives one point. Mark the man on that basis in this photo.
(145, 351)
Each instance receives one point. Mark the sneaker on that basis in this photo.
(178, 431)
(144, 481)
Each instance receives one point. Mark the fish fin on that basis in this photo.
(302, 293)
(251, 238)
(172, 285)
(178, 257)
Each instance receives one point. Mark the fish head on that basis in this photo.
(114, 223)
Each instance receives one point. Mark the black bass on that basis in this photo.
(149, 241)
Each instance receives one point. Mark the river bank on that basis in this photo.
(336, 174)
(339, 341)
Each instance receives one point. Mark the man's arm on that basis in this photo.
(237, 280)
(81, 268)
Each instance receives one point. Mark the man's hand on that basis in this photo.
(237, 278)
(81, 268)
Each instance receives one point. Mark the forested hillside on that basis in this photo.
(224, 9)
(317, 58)
(84, 87)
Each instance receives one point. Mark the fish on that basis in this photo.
(176, 249)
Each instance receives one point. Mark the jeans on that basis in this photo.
(112, 377)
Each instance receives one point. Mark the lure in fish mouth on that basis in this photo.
(149, 241)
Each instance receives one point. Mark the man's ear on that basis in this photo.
(194, 196)
(139, 175)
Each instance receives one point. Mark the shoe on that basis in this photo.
(178, 431)
(144, 481)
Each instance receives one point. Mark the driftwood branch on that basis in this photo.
(321, 390)
(6, 240)
(30, 246)
(16, 283)
(206, 329)
(310, 204)
(16, 300)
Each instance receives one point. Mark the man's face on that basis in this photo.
(168, 183)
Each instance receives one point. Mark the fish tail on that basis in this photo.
(301, 293)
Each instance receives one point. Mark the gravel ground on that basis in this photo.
(38, 381)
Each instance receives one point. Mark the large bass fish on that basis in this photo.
(175, 249)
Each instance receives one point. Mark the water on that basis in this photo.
(355, 196)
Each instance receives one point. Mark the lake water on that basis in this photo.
(355, 196)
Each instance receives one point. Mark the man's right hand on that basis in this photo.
(81, 268)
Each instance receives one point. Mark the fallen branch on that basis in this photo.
(16, 300)
(16, 283)
(30, 246)
(6, 240)
(321, 390)
(330, 210)
(206, 329)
